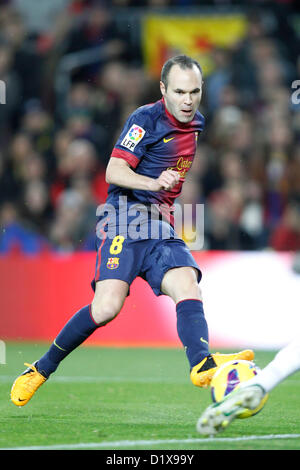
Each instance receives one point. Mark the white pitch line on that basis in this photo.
(103, 379)
(145, 443)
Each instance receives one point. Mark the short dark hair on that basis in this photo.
(184, 62)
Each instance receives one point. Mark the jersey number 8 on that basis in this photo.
(116, 245)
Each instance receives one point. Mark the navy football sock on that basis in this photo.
(192, 330)
(78, 329)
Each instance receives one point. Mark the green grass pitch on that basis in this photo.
(110, 398)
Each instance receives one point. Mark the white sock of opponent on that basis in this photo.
(285, 363)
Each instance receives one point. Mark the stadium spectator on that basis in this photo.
(15, 237)
(26, 60)
(8, 112)
(286, 236)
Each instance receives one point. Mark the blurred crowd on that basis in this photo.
(57, 130)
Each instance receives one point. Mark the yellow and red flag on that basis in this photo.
(165, 36)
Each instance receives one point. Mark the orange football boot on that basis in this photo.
(202, 373)
(25, 386)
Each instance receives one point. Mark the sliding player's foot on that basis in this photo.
(218, 416)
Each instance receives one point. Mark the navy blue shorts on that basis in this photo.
(125, 258)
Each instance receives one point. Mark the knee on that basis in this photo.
(181, 284)
(105, 310)
(188, 287)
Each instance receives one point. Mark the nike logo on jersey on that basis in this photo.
(168, 140)
(203, 340)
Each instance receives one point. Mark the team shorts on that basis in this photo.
(125, 256)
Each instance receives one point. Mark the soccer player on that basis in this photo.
(147, 169)
(218, 416)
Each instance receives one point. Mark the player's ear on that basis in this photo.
(162, 88)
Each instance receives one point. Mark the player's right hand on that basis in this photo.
(166, 180)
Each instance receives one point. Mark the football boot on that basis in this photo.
(25, 386)
(219, 415)
(202, 373)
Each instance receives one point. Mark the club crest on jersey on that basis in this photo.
(133, 137)
(112, 263)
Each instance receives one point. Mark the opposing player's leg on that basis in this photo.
(181, 284)
(285, 363)
(218, 416)
(108, 300)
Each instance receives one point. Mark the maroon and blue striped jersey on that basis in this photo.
(146, 245)
(152, 141)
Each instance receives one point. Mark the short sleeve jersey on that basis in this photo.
(152, 141)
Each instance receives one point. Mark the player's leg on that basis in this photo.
(285, 363)
(218, 416)
(181, 284)
(108, 300)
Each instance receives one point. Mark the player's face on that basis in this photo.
(183, 93)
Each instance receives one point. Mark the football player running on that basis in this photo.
(147, 167)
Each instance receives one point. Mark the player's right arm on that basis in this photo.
(120, 173)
